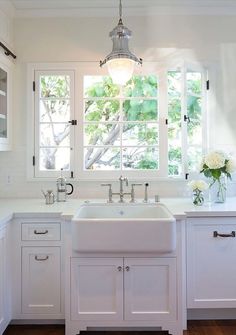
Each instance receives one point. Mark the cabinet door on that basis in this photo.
(150, 288)
(4, 280)
(41, 280)
(211, 271)
(97, 288)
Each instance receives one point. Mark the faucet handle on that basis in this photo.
(109, 192)
(132, 191)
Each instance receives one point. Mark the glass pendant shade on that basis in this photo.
(120, 61)
(120, 70)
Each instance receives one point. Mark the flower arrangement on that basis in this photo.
(216, 165)
(198, 186)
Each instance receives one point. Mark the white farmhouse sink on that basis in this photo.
(124, 228)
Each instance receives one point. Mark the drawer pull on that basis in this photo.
(40, 232)
(216, 234)
(41, 259)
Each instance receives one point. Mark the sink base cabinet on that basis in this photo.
(121, 292)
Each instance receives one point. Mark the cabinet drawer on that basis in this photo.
(41, 231)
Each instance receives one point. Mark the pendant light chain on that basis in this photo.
(120, 10)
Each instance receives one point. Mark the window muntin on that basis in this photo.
(121, 125)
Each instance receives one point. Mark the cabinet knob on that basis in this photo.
(119, 268)
(127, 268)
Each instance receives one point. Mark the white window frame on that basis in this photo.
(92, 68)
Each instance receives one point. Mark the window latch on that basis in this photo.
(73, 122)
(186, 118)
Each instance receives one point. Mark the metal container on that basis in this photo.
(49, 197)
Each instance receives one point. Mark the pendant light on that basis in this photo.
(120, 62)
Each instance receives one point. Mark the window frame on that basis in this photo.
(92, 68)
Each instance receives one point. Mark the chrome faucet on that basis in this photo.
(121, 194)
(122, 180)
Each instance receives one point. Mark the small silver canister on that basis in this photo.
(49, 197)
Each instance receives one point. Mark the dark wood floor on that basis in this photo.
(194, 328)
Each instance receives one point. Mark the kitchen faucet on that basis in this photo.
(122, 180)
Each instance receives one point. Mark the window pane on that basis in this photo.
(102, 110)
(102, 134)
(54, 110)
(174, 151)
(54, 134)
(175, 161)
(174, 96)
(57, 86)
(141, 86)
(54, 159)
(174, 84)
(100, 86)
(194, 106)
(194, 158)
(194, 130)
(102, 158)
(140, 158)
(140, 110)
(194, 82)
(140, 134)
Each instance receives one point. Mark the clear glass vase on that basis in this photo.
(198, 198)
(218, 190)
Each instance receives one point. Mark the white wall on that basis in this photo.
(199, 38)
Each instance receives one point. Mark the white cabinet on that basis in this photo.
(41, 285)
(123, 288)
(4, 282)
(5, 103)
(150, 288)
(38, 272)
(96, 288)
(211, 271)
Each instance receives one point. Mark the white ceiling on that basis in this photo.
(48, 8)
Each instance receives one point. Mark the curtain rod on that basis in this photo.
(7, 51)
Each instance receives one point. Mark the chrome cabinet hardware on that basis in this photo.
(40, 232)
(216, 234)
(41, 259)
(127, 268)
(119, 268)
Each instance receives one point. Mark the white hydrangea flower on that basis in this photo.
(200, 185)
(231, 166)
(215, 160)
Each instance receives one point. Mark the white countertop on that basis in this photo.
(179, 207)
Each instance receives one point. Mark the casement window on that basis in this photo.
(153, 127)
(54, 109)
